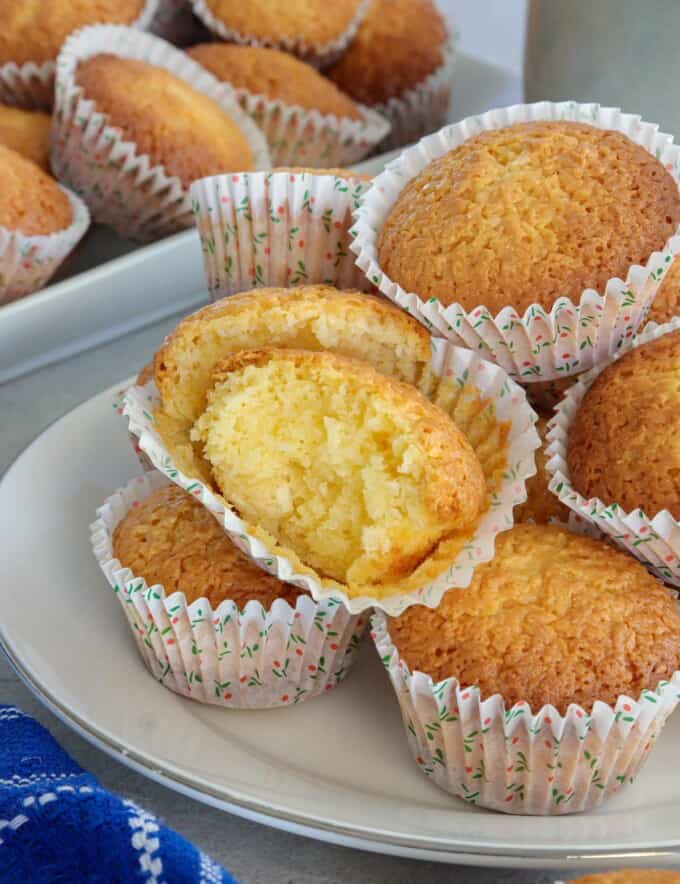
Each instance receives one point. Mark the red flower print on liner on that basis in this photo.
(228, 696)
(284, 698)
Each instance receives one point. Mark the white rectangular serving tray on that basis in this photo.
(110, 286)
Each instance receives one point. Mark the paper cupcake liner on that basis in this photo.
(117, 405)
(321, 56)
(540, 345)
(121, 187)
(175, 22)
(249, 659)
(465, 375)
(276, 229)
(31, 85)
(28, 262)
(420, 110)
(517, 761)
(655, 540)
(300, 137)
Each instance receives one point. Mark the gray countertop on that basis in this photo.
(254, 853)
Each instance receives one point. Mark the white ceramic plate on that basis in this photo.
(336, 768)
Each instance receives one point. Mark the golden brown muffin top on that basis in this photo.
(555, 618)
(666, 303)
(541, 504)
(27, 132)
(316, 22)
(347, 174)
(624, 441)
(145, 374)
(186, 132)
(169, 538)
(31, 201)
(33, 30)
(276, 75)
(398, 45)
(632, 876)
(526, 214)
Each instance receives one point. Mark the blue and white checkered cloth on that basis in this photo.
(57, 824)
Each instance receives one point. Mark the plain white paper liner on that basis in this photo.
(276, 229)
(515, 760)
(28, 262)
(249, 659)
(300, 137)
(121, 187)
(423, 108)
(318, 55)
(540, 345)
(461, 367)
(653, 539)
(31, 85)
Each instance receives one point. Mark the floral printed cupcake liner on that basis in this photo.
(422, 109)
(31, 85)
(517, 761)
(540, 345)
(301, 137)
(655, 540)
(276, 229)
(28, 262)
(121, 187)
(117, 405)
(249, 659)
(455, 373)
(321, 56)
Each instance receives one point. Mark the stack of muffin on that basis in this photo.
(368, 458)
(135, 121)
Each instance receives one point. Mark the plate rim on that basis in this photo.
(331, 832)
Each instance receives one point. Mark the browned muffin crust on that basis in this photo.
(33, 30)
(398, 45)
(527, 214)
(31, 201)
(624, 441)
(27, 132)
(169, 538)
(555, 618)
(315, 22)
(632, 876)
(541, 504)
(186, 132)
(666, 304)
(276, 75)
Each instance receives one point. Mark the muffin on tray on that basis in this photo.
(549, 674)
(40, 223)
(632, 876)
(666, 304)
(314, 30)
(401, 64)
(26, 132)
(306, 118)
(253, 641)
(33, 32)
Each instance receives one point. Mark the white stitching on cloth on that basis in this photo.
(44, 798)
(144, 826)
(209, 871)
(16, 780)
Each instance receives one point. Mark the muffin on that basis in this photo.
(307, 120)
(666, 304)
(370, 482)
(35, 31)
(400, 63)
(179, 128)
(170, 539)
(32, 203)
(541, 505)
(276, 75)
(535, 238)
(310, 317)
(26, 132)
(525, 628)
(210, 624)
(540, 688)
(631, 876)
(345, 174)
(312, 29)
(623, 443)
